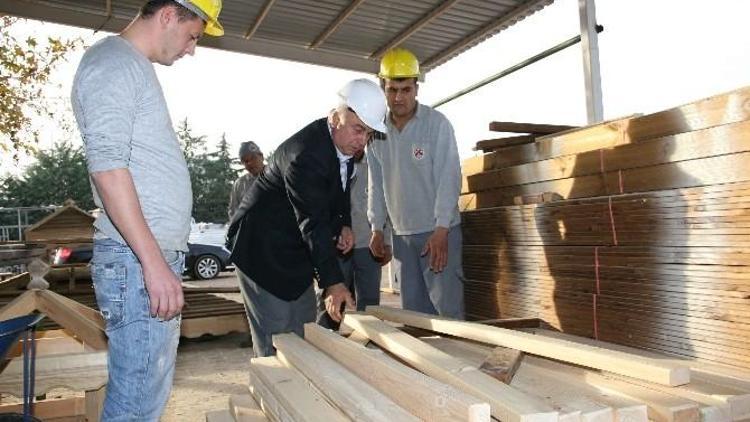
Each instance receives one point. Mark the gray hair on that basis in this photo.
(249, 147)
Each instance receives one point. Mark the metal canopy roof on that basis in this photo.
(339, 33)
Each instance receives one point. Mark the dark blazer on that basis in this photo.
(288, 221)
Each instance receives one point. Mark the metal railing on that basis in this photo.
(13, 221)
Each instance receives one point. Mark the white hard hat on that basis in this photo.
(367, 100)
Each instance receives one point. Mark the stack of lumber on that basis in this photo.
(399, 365)
(205, 311)
(631, 231)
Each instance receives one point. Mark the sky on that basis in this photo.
(654, 54)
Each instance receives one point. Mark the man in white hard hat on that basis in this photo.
(294, 221)
(251, 158)
(415, 179)
(141, 236)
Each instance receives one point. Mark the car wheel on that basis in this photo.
(206, 267)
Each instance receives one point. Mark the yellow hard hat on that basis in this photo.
(208, 10)
(399, 63)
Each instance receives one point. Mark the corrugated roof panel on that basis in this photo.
(292, 25)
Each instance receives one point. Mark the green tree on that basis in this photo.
(25, 69)
(211, 174)
(57, 175)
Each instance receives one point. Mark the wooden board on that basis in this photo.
(507, 403)
(534, 128)
(353, 396)
(421, 395)
(592, 357)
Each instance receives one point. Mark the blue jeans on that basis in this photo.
(142, 349)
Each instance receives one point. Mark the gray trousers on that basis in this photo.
(362, 276)
(423, 290)
(269, 315)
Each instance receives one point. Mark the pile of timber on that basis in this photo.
(632, 231)
(206, 312)
(400, 365)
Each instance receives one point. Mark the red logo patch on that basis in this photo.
(418, 153)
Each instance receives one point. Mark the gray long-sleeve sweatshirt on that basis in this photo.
(123, 119)
(415, 175)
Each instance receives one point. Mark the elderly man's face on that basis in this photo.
(253, 162)
(350, 134)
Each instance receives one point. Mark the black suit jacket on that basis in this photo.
(287, 222)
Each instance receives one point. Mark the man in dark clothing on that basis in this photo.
(295, 219)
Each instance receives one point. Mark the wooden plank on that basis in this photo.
(69, 317)
(589, 356)
(95, 403)
(489, 145)
(219, 416)
(502, 363)
(507, 403)
(244, 408)
(22, 305)
(92, 315)
(79, 371)
(533, 128)
(566, 393)
(214, 325)
(354, 397)
(661, 407)
(51, 409)
(421, 395)
(711, 384)
(285, 395)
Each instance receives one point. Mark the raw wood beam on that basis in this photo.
(69, 316)
(502, 363)
(589, 356)
(334, 25)
(705, 387)
(413, 28)
(531, 128)
(78, 371)
(92, 315)
(564, 391)
(259, 19)
(20, 306)
(489, 145)
(421, 395)
(214, 325)
(285, 395)
(661, 407)
(73, 407)
(506, 403)
(244, 408)
(353, 396)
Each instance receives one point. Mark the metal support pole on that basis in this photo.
(516, 67)
(590, 45)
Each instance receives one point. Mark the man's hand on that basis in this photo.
(377, 245)
(164, 291)
(387, 256)
(437, 247)
(346, 240)
(335, 296)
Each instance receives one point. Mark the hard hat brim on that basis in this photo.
(214, 29)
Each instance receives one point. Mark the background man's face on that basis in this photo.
(401, 96)
(253, 163)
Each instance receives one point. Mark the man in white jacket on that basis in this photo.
(415, 179)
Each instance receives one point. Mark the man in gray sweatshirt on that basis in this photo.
(415, 179)
(140, 179)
